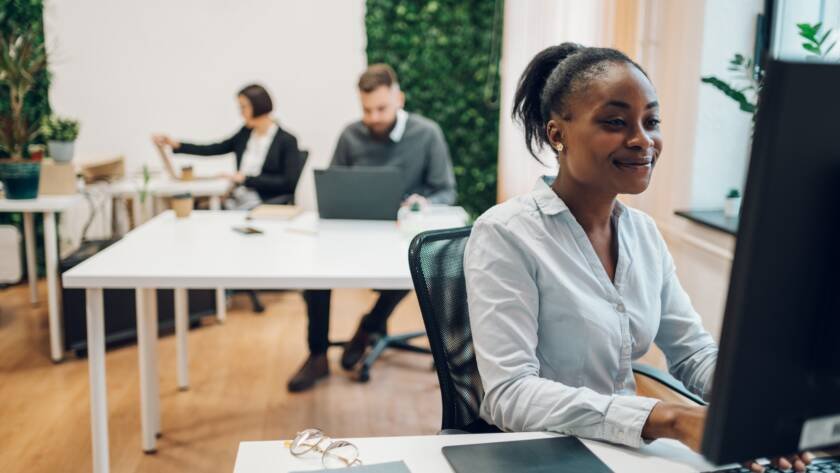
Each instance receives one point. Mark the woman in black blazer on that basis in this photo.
(268, 160)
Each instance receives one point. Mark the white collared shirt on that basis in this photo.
(399, 127)
(555, 337)
(256, 150)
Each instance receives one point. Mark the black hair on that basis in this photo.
(259, 98)
(551, 77)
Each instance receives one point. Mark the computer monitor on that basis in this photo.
(776, 388)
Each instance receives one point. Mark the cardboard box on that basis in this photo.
(57, 178)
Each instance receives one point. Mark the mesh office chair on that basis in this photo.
(437, 270)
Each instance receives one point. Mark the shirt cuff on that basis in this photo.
(625, 419)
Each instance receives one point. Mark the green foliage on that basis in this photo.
(18, 16)
(813, 40)
(743, 102)
(446, 53)
(59, 129)
(747, 72)
(24, 17)
(746, 80)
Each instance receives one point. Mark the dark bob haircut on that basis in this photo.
(259, 98)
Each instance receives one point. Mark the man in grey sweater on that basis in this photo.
(385, 136)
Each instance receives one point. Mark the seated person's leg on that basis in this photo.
(316, 366)
(373, 323)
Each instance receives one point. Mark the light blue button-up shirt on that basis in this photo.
(555, 337)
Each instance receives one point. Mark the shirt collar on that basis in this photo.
(399, 128)
(550, 203)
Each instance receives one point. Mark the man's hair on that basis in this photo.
(377, 75)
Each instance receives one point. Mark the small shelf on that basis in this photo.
(713, 219)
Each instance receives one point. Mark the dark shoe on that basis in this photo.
(355, 349)
(315, 368)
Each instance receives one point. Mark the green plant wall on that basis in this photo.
(446, 53)
(17, 15)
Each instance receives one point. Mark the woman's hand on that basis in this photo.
(686, 423)
(234, 177)
(676, 421)
(165, 140)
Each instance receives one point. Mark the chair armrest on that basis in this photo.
(667, 380)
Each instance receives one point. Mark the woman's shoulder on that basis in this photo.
(510, 212)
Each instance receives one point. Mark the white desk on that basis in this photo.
(49, 206)
(161, 187)
(203, 251)
(423, 455)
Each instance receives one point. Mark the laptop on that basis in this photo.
(359, 193)
(169, 167)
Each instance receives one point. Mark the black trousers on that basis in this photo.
(318, 310)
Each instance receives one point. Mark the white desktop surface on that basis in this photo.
(164, 186)
(45, 203)
(203, 251)
(422, 454)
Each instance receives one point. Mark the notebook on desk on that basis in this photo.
(555, 455)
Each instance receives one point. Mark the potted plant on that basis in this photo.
(60, 134)
(22, 58)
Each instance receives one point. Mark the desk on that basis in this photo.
(49, 206)
(422, 454)
(203, 251)
(160, 187)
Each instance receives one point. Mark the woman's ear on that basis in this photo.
(554, 132)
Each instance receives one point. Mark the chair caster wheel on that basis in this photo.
(364, 376)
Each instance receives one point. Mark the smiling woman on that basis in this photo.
(568, 273)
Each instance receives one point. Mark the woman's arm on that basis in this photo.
(690, 350)
(504, 305)
(213, 149)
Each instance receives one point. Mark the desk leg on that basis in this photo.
(147, 354)
(31, 269)
(221, 304)
(51, 250)
(181, 329)
(96, 372)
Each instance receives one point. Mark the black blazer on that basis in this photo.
(282, 167)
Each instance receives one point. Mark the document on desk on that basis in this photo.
(390, 467)
(555, 455)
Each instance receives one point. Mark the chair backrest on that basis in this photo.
(436, 259)
(302, 158)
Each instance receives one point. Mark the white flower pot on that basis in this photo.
(731, 207)
(61, 151)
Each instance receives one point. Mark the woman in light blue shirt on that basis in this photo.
(567, 286)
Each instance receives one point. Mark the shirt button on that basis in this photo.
(620, 307)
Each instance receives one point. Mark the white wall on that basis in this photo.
(127, 69)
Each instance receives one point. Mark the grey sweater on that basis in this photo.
(421, 153)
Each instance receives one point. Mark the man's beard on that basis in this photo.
(382, 133)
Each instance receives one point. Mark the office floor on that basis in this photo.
(238, 374)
